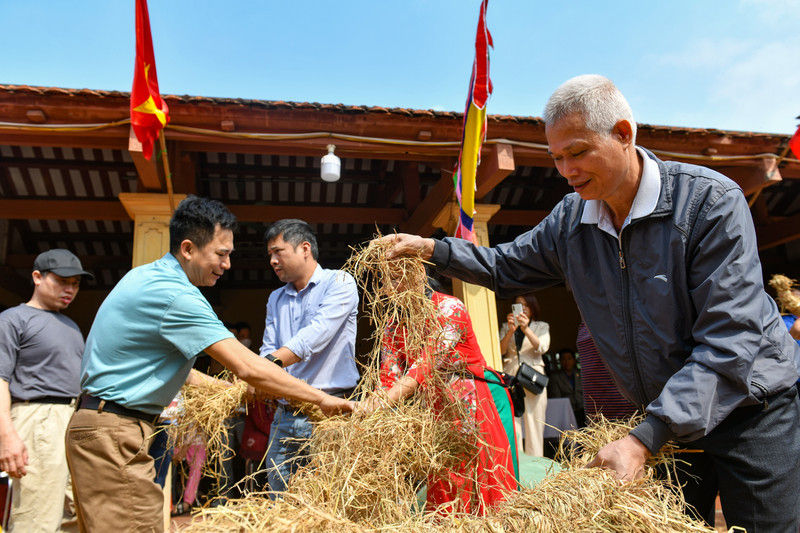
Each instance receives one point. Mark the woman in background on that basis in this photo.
(523, 339)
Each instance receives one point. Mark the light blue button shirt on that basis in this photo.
(146, 335)
(318, 324)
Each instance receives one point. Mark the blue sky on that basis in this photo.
(727, 64)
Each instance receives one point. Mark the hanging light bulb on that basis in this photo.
(331, 168)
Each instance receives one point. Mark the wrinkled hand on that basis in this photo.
(13, 455)
(370, 404)
(332, 405)
(626, 457)
(405, 244)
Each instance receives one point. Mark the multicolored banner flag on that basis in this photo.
(149, 113)
(474, 133)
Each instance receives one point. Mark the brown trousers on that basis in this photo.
(112, 474)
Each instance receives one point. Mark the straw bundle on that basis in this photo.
(786, 299)
(365, 469)
(201, 415)
(576, 499)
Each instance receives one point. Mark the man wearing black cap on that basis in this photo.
(40, 360)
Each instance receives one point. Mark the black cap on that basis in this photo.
(60, 262)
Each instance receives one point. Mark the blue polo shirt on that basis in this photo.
(146, 335)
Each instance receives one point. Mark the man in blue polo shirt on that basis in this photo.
(140, 351)
(311, 330)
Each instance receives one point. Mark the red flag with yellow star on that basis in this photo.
(149, 113)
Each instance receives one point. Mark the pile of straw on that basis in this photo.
(201, 415)
(786, 299)
(365, 469)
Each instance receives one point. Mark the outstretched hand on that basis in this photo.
(332, 405)
(405, 244)
(626, 457)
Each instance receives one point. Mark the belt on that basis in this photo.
(341, 393)
(107, 406)
(47, 399)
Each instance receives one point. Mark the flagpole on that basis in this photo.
(167, 175)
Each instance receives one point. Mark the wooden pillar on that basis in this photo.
(150, 214)
(480, 301)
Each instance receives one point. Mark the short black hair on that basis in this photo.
(197, 219)
(294, 232)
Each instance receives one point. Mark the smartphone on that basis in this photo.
(516, 309)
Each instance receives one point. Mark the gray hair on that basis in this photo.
(595, 98)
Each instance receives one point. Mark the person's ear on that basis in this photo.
(623, 131)
(186, 249)
(37, 277)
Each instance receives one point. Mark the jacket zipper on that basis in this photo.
(629, 321)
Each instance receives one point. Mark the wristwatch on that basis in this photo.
(274, 359)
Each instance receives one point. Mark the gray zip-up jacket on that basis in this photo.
(676, 305)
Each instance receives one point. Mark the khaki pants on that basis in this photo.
(38, 498)
(112, 474)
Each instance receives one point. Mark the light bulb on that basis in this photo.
(331, 168)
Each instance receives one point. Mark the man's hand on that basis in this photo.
(332, 405)
(405, 244)
(626, 457)
(13, 455)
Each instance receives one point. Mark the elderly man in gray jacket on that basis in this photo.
(663, 263)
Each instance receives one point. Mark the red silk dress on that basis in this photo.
(475, 484)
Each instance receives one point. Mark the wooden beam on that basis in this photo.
(147, 170)
(318, 214)
(409, 174)
(494, 168)
(421, 220)
(755, 177)
(89, 262)
(62, 210)
(777, 233)
(184, 168)
(518, 217)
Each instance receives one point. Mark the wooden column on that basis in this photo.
(480, 301)
(150, 214)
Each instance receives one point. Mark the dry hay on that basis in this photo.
(575, 499)
(394, 292)
(365, 469)
(201, 416)
(786, 299)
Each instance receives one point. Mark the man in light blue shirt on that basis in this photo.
(311, 331)
(143, 342)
